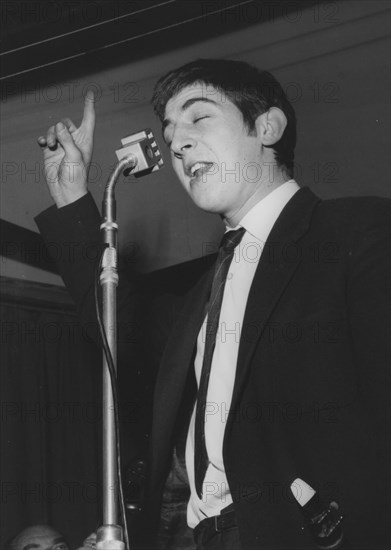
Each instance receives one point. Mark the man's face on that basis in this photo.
(40, 537)
(218, 163)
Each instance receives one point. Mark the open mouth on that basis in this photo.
(200, 169)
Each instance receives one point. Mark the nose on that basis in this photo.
(182, 140)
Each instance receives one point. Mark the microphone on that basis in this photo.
(140, 155)
(144, 153)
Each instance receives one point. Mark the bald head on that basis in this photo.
(39, 537)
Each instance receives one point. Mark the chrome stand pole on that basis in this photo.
(110, 534)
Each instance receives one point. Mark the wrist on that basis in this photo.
(64, 199)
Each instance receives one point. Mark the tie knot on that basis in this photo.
(231, 239)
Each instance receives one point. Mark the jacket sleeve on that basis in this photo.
(72, 234)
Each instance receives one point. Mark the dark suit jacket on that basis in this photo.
(311, 394)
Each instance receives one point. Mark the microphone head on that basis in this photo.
(145, 148)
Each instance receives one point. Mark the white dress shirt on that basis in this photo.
(258, 223)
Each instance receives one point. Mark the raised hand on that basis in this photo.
(67, 152)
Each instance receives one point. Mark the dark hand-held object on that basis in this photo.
(325, 524)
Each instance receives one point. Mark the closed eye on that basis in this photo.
(200, 118)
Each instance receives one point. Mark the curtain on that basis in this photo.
(50, 414)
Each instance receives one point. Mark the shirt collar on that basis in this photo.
(261, 218)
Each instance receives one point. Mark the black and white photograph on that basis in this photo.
(195, 274)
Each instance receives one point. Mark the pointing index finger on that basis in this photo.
(89, 110)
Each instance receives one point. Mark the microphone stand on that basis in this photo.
(110, 534)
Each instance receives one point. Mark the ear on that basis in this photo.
(270, 126)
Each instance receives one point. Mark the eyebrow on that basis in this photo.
(187, 104)
(34, 545)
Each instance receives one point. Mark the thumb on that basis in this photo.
(66, 141)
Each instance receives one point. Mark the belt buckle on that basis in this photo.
(217, 525)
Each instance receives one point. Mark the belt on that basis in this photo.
(225, 520)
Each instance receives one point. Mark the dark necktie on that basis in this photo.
(225, 254)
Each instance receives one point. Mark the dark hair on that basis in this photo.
(252, 91)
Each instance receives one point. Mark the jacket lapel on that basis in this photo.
(276, 267)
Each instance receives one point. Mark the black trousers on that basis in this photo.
(221, 535)
(226, 540)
